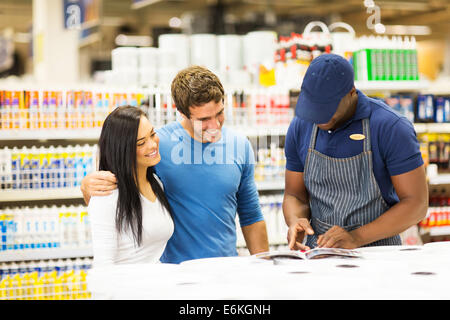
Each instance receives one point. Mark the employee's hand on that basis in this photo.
(296, 233)
(337, 237)
(98, 183)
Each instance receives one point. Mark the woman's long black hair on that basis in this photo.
(117, 147)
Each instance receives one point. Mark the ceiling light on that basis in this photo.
(133, 41)
(369, 3)
(408, 30)
(380, 28)
(175, 22)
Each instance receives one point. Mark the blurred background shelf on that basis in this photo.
(80, 134)
(44, 254)
(40, 194)
(270, 185)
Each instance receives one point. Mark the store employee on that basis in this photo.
(354, 175)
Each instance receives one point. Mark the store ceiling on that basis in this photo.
(432, 13)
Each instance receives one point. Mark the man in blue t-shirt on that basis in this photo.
(354, 174)
(207, 172)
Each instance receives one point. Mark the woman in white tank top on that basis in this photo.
(134, 223)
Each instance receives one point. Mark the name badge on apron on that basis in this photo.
(357, 136)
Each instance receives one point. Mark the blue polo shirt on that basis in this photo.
(206, 185)
(395, 148)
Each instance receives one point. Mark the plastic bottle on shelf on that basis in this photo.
(59, 166)
(27, 235)
(3, 272)
(406, 52)
(387, 72)
(3, 226)
(54, 227)
(439, 112)
(78, 165)
(34, 168)
(13, 268)
(43, 168)
(15, 110)
(34, 110)
(6, 119)
(8, 235)
(5, 168)
(19, 228)
(89, 164)
(15, 168)
(414, 63)
(429, 108)
(63, 226)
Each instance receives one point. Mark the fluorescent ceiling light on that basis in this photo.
(407, 30)
(175, 22)
(22, 37)
(380, 28)
(369, 3)
(137, 4)
(133, 41)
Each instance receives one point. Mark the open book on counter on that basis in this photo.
(316, 253)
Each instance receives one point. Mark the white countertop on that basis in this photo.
(390, 273)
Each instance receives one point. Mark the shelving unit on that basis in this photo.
(94, 134)
(40, 194)
(50, 134)
(251, 131)
(270, 185)
(392, 85)
(45, 254)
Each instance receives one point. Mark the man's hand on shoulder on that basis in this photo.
(98, 183)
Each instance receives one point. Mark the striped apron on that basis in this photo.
(343, 191)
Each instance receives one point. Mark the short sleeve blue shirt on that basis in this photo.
(395, 148)
(206, 184)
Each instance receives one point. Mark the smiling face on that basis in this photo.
(147, 145)
(206, 121)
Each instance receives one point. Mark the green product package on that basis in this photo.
(387, 74)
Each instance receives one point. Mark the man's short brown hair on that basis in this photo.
(195, 86)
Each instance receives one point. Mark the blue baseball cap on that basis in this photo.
(328, 79)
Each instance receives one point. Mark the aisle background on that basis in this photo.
(65, 64)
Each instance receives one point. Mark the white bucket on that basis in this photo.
(148, 57)
(317, 38)
(343, 42)
(204, 50)
(178, 44)
(259, 48)
(229, 52)
(148, 77)
(124, 58)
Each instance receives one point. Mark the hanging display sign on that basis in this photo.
(6, 53)
(81, 14)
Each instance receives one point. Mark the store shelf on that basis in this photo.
(441, 87)
(40, 194)
(80, 134)
(443, 178)
(391, 85)
(94, 134)
(270, 185)
(259, 131)
(44, 254)
(432, 127)
(440, 231)
(75, 193)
